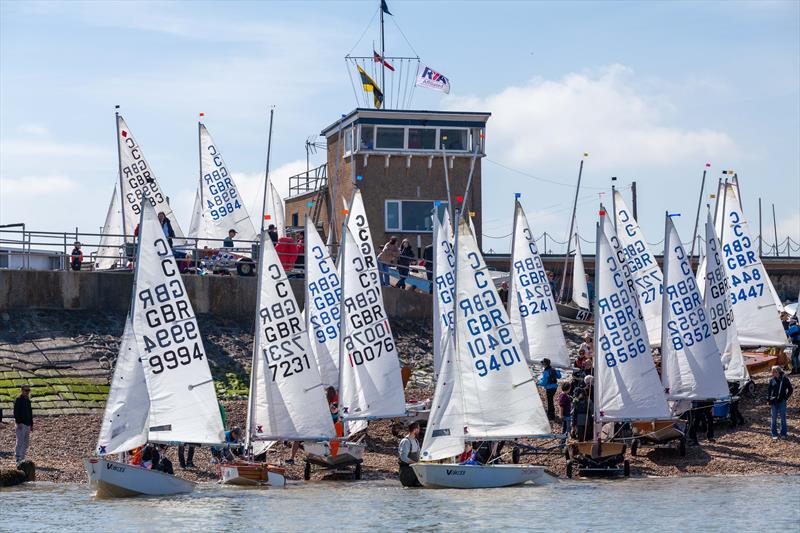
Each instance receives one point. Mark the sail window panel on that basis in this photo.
(367, 137)
(455, 139)
(390, 138)
(421, 138)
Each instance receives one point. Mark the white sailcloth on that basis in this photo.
(323, 295)
(718, 306)
(137, 180)
(531, 306)
(643, 268)
(223, 206)
(127, 406)
(757, 318)
(196, 225)
(369, 373)
(580, 288)
(274, 210)
(486, 389)
(443, 287)
(691, 366)
(292, 405)
(110, 249)
(627, 386)
(183, 403)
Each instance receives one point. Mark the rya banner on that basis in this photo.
(430, 79)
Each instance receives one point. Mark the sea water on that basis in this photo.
(652, 504)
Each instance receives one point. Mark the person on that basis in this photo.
(166, 225)
(565, 403)
(403, 262)
(588, 383)
(702, 415)
(301, 250)
(583, 416)
(150, 457)
(408, 452)
(590, 287)
(76, 257)
(231, 448)
(551, 279)
(793, 332)
(333, 406)
(503, 293)
(778, 392)
(736, 416)
(273, 233)
(549, 381)
(587, 346)
(287, 252)
(388, 257)
(186, 460)
(164, 464)
(427, 255)
(228, 241)
(581, 359)
(23, 417)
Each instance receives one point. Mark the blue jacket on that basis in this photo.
(543, 381)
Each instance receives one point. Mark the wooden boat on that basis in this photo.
(569, 312)
(111, 479)
(759, 362)
(659, 433)
(597, 458)
(252, 474)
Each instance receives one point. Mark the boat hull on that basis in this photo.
(347, 454)
(452, 476)
(110, 479)
(252, 475)
(572, 313)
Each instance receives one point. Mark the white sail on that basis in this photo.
(323, 295)
(486, 389)
(183, 403)
(775, 298)
(110, 249)
(127, 406)
(643, 268)
(531, 305)
(137, 180)
(195, 226)
(223, 206)
(627, 386)
(718, 306)
(757, 318)
(369, 373)
(691, 366)
(580, 287)
(443, 287)
(274, 210)
(292, 406)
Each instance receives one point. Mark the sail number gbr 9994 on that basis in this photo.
(170, 334)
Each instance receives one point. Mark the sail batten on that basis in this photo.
(531, 303)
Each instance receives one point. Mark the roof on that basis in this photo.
(406, 117)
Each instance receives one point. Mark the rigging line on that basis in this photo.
(404, 37)
(406, 102)
(571, 185)
(365, 31)
(413, 86)
(350, 75)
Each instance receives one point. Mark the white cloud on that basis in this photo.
(251, 184)
(36, 186)
(789, 227)
(598, 111)
(35, 130)
(21, 148)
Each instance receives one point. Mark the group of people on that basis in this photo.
(401, 257)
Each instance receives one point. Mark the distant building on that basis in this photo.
(398, 156)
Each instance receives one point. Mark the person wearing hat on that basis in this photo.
(228, 242)
(23, 416)
(780, 388)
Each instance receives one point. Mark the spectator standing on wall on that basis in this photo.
(388, 257)
(166, 225)
(273, 233)
(76, 257)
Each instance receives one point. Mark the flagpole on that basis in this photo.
(266, 172)
(569, 237)
(383, 53)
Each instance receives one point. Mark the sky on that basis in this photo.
(652, 91)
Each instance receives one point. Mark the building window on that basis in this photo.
(411, 215)
(421, 139)
(295, 219)
(367, 137)
(390, 138)
(348, 140)
(454, 139)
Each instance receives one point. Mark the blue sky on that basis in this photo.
(652, 90)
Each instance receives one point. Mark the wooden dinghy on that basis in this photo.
(245, 473)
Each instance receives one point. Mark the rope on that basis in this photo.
(539, 178)
(365, 31)
(404, 36)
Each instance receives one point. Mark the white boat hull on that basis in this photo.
(111, 479)
(452, 476)
(348, 453)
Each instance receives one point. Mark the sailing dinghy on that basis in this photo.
(531, 303)
(287, 398)
(485, 389)
(162, 390)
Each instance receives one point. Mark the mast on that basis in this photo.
(697, 216)
(614, 202)
(760, 234)
(513, 247)
(469, 182)
(383, 53)
(597, 426)
(724, 202)
(200, 159)
(633, 198)
(251, 397)
(775, 229)
(450, 211)
(266, 172)
(121, 188)
(569, 237)
(342, 316)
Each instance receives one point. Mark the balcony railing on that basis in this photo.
(309, 181)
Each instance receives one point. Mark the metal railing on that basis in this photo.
(309, 181)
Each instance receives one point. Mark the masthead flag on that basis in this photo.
(385, 8)
(371, 87)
